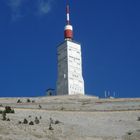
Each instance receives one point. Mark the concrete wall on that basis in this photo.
(70, 80)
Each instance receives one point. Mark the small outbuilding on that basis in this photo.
(50, 92)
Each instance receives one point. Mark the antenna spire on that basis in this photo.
(68, 31)
(68, 14)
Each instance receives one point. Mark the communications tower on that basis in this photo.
(70, 79)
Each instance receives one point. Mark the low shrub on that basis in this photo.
(9, 110)
(50, 127)
(8, 119)
(19, 101)
(28, 101)
(33, 101)
(57, 122)
(138, 119)
(25, 121)
(19, 122)
(39, 106)
(1, 111)
(62, 108)
(36, 120)
(129, 133)
(12, 111)
(31, 123)
(51, 121)
(4, 116)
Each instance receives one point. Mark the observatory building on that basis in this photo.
(70, 79)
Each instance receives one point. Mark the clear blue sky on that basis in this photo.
(31, 30)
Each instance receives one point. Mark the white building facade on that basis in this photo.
(70, 80)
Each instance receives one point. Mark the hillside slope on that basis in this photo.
(71, 118)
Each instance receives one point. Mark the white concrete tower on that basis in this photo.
(70, 80)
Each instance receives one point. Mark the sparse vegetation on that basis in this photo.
(36, 120)
(74, 122)
(1, 111)
(12, 111)
(51, 121)
(62, 108)
(19, 122)
(3, 115)
(8, 109)
(129, 133)
(33, 101)
(54, 121)
(57, 122)
(19, 101)
(28, 101)
(138, 119)
(31, 123)
(39, 106)
(50, 127)
(8, 119)
(25, 121)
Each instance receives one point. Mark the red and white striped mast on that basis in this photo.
(68, 30)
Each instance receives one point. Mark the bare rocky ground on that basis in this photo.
(71, 118)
